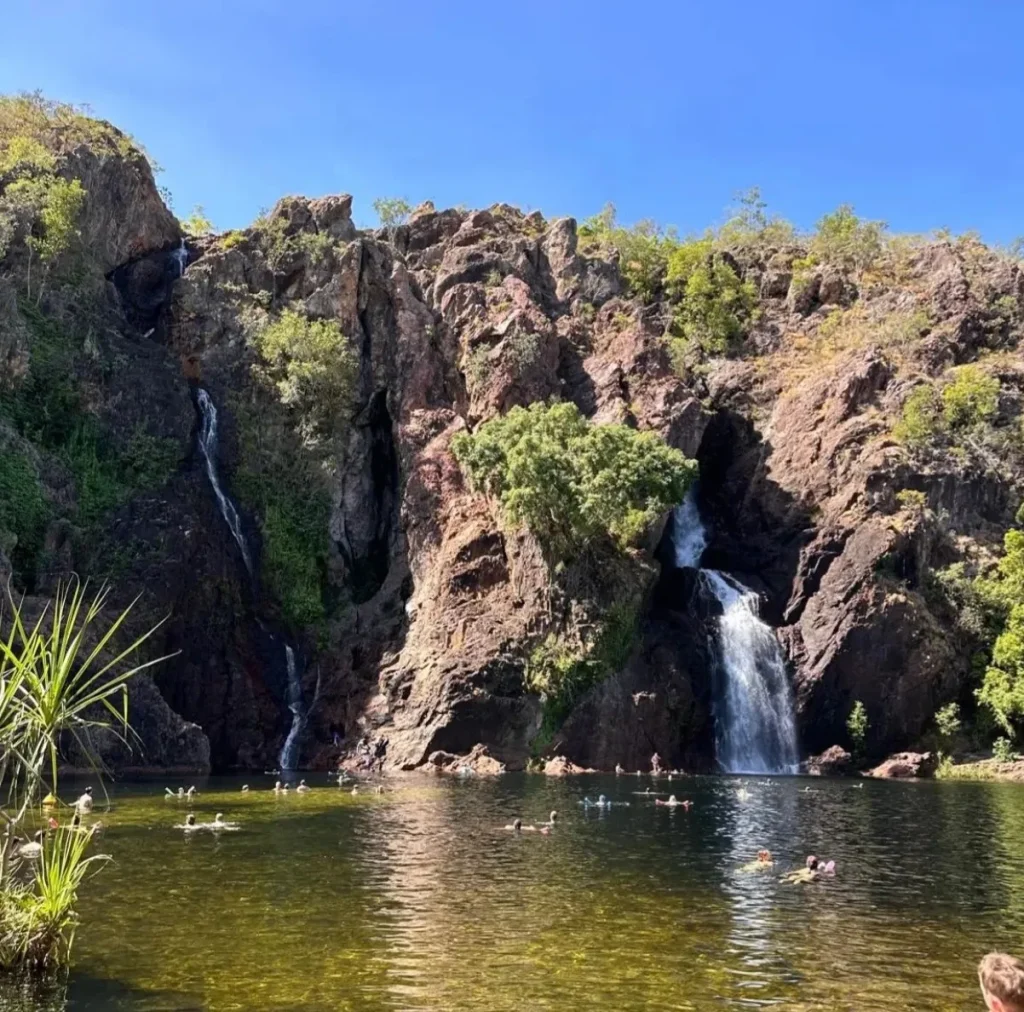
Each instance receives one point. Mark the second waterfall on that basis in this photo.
(755, 728)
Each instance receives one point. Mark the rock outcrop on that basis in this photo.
(412, 607)
(906, 766)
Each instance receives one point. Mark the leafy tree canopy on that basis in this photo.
(570, 481)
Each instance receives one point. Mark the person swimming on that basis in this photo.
(762, 863)
(516, 826)
(674, 802)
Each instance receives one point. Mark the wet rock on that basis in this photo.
(906, 766)
(559, 766)
(834, 761)
(478, 761)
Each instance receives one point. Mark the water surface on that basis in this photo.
(418, 900)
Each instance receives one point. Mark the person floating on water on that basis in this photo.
(813, 870)
(674, 802)
(1002, 982)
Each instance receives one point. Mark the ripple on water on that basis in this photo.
(419, 899)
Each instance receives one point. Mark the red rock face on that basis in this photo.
(458, 317)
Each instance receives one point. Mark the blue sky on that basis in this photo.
(910, 110)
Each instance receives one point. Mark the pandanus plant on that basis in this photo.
(60, 673)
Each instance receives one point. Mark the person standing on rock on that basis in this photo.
(380, 754)
(656, 764)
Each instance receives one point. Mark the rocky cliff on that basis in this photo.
(413, 608)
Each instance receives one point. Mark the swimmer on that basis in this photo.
(355, 790)
(674, 802)
(762, 863)
(619, 770)
(190, 825)
(277, 789)
(302, 788)
(743, 794)
(245, 788)
(218, 825)
(516, 826)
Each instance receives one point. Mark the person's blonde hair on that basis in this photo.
(1002, 976)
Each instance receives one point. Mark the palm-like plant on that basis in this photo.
(58, 674)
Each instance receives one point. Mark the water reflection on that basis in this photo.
(421, 901)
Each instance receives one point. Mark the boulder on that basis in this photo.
(906, 766)
(834, 761)
(478, 762)
(559, 766)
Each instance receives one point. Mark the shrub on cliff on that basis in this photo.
(847, 241)
(750, 225)
(713, 304)
(965, 404)
(1002, 689)
(313, 367)
(570, 481)
(644, 250)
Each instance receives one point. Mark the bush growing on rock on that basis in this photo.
(313, 367)
(644, 250)
(714, 305)
(847, 241)
(570, 481)
(751, 226)
(857, 727)
(969, 401)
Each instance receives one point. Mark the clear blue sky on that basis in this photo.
(909, 109)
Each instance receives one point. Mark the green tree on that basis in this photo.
(857, 727)
(314, 369)
(570, 481)
(947, 722)
(197, 223)
(971, 399)
(751, 225)
(847, 241)
(714, 305)
(644, 250)
(392, 212)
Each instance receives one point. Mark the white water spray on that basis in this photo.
(289, 751)
(208, 447)
(755, 727)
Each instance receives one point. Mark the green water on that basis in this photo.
(419, 900)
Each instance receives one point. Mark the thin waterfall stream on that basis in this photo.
(208, 448)
(288, 760)
(755, 728)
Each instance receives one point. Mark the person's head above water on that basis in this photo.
(811, 862)
(517, 824)
(601, 799)
(672, 799)
(1002, 982)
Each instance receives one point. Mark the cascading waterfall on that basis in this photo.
(181, 256)
(208, 448)
(755, 726)
(288, 759)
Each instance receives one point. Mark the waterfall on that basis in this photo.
(755, 726)
(208, 447)
(181, 256)
(289, 751)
